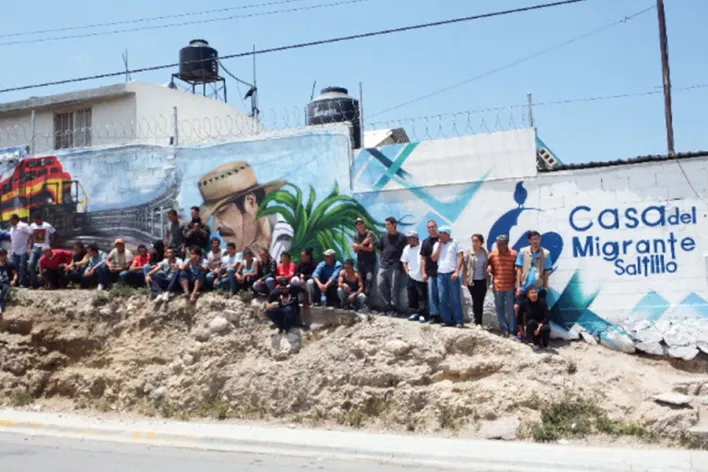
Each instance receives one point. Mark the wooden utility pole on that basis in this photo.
(666, 73)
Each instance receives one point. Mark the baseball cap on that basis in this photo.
(359, 220)
(283, 282)
(329, 252)
(119, 241)
(411, 234)
(445, 229)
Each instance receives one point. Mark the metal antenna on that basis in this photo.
(124, 56)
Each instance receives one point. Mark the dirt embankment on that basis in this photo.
(120, 354)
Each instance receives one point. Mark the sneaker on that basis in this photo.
(413, 318)
(100, 287)
(537, 348)
(434, 321)
(421, 319)
(459, 325)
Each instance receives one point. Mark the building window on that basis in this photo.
(72, 129)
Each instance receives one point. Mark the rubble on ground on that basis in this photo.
(221, 358)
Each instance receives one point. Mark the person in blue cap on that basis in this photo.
(449, 256)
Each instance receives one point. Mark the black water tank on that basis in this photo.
(198, 62)
(334, 105)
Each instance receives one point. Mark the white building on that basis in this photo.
(134, 112)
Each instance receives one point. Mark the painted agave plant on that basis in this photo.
(328, 224)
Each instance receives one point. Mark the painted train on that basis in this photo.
(40, 184)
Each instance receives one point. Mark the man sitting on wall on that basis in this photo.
(96, 258)
(283, 307)
(75, 270)
(322, 287)
(118, 260)
(135, 275)
(8, 277)
(162, 279)
(192, 274)
(226, 275)
(52, 267)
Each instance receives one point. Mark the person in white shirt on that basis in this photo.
(43, 235)
(417, 288)
(20, 233)
(449, 256)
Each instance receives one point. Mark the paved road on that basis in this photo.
(43, 454)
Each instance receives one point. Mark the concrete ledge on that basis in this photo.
(409, 450)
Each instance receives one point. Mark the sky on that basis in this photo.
(399, 68)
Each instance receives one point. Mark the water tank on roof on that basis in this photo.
(334, 105)
(198, 62)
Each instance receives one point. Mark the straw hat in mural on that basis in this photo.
(227, 183)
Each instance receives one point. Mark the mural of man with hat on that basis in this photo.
(232, 196)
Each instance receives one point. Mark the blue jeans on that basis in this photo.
(358, 303)
(20, 262)
(192, 278)
(450, 303)
(132, 278)
(230, 281)
(264, 287)
(32, 267)
(283, 317)
(106, 277)
(433, 298)
(160, 282)
(504, 303)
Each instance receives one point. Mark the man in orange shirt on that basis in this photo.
(502, 268)
(52, 264)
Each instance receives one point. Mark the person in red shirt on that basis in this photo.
(286, 268)
(134, 276)
(52, 264)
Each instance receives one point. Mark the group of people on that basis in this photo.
(188, 261)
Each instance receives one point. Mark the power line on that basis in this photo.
(149, 19)
(516, 62)
(567, 101)
(304, 45)
(183, 23)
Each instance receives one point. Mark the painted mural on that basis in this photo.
(628, 243)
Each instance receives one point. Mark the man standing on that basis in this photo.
(118, 260)
(417, 288)
(8, 278)
(533, 266)
(43, 236)
(173, 232)
(390, 274)
(364, 246)
(20, 234)
(196, 233)
(449, 256)
(429, 270)
(502, 262)
(324, 280)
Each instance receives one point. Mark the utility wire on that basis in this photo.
(183, 23)
(149, 19)
(568, 101)
(238, 81)
(304, 45)
(516, 62)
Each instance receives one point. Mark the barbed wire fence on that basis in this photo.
(49, 133)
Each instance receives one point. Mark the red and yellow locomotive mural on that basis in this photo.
(40, 184)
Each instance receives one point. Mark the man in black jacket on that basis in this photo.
(283, 306)
(196, 233)
(536, 318)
